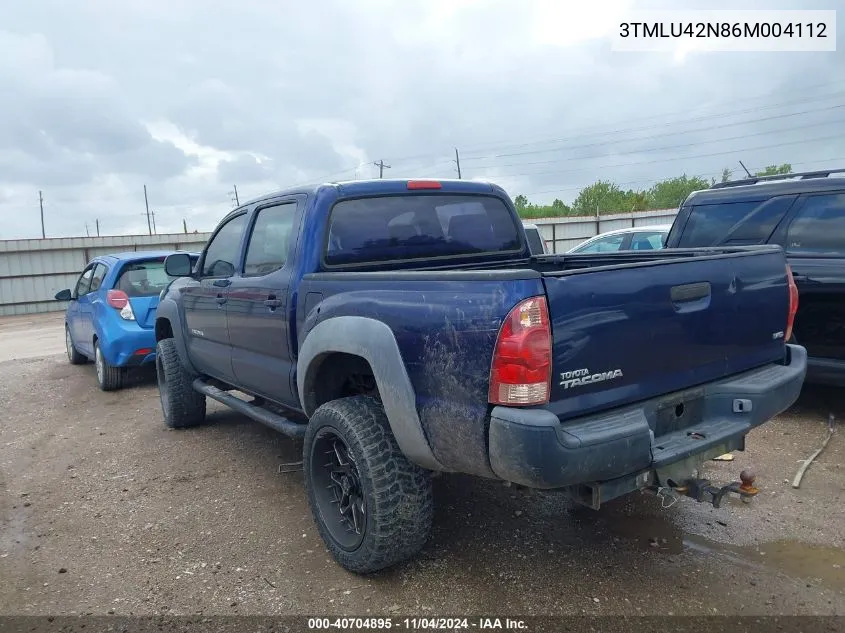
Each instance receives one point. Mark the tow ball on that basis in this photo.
(703, 490)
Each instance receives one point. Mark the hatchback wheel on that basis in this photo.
(73, 356)
(108, 377)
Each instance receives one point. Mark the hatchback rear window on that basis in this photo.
(422, 226)
(143, 279)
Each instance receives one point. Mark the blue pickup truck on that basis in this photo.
(402, 327)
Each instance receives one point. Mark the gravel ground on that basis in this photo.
(105, 510)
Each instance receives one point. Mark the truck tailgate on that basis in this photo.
(635, 331)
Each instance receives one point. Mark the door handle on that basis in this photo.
(222, 283)
(799, 277)
(221, 299)
(273, 303)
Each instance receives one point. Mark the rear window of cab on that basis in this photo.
(422, 226)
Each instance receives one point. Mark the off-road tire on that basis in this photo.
(181, 405)
(108, 377)
(73, 356)
(399, 505)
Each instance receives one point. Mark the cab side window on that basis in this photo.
(270, 240)
(222, 251)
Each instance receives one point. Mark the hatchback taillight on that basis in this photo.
(119, 300)
(520, 373)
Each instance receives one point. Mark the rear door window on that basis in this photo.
(393, 228)
(819, 226)
(270, 240)
(734, 223)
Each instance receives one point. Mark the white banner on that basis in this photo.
(725, 30)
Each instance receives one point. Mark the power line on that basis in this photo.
(673, 158)
(598, 168)
(700, 129)
(508, 144)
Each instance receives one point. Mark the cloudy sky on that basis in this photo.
(191, 97)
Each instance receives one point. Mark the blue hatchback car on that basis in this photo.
(110, 316)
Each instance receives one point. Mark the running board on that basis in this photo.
(259, 414)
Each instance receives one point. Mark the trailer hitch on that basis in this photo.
(703, 491)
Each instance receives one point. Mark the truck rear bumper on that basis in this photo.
(533, 448)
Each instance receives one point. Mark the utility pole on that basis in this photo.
(184, 225)
(458, 162)
(746, 170)
(381, 167)
(153, 214)
(41, 204)
(98, 226)
(87, 232)
(237, 201)
(147, 204)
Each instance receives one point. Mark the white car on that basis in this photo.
(638, 238)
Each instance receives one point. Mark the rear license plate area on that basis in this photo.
(678, 412)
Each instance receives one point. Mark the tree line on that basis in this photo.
(604, 196)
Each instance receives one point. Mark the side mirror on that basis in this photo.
(64, 295)
(178, 265)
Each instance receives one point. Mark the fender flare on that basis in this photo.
(373, 341)
(169, 311)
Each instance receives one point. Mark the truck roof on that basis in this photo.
(751, 191)
(383, 185)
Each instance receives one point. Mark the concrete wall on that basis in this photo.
(32, 271)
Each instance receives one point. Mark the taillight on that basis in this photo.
(520, 373)
(119, 300)
(793, 303)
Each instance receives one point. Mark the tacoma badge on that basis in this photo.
(580, 377)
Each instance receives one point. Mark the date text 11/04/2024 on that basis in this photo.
(423, 623)
(722, 29)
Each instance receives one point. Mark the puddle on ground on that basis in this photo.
(827, 564)
(815, 563)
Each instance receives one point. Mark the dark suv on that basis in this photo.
(803, 213)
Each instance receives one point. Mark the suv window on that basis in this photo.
(819, 226)
(270, 239)
(84, 283)
(222, 251)
(734, 223)
(421, 226)
(604, 245)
